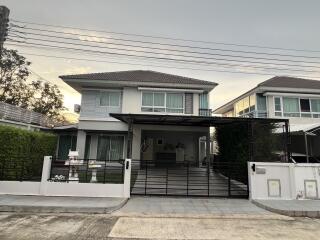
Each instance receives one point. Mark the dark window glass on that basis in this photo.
(305, 105)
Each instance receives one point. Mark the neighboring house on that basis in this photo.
(134, 107)
(23, 118)
(284, 97)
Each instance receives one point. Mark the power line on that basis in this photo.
(170, 38)
(150, 65)
(160, 66)
(156, 43)
(175, 55)
(176, 59)
(165, 58)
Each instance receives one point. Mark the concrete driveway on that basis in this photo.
(192, 207)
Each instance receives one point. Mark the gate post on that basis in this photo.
(127, 178)
(46, 169)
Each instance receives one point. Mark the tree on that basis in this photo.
(47, 99)
(38, 96)
(13, 79)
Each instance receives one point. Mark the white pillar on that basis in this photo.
(46, 168)
(127, 178)
(93, 147)
(292, 179)
(81, 143)
(136, 142)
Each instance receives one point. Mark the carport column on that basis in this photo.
(129, 141)
(208, 148)
(81, 143)
(287, 141)
(250, 140)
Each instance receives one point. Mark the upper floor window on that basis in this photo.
(277, 106)
(245, 105)
(297, 107)
(110, 99)
(162, 102)
(291, 107)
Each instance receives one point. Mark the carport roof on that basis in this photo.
(183, 120)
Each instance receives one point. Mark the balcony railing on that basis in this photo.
(205, 112)
(17, 114)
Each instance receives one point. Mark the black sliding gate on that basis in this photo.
(219, 179)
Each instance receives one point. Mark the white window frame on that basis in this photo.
(312, 112)
(108, 91)
(165, 102)
(300, 113)
(281, 106)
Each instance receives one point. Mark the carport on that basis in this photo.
(184, 178)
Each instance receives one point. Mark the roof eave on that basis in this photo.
(77, 84)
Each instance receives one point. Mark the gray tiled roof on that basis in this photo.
(290, 82)
(139, 76)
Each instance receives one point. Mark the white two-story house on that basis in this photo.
(136, 114)
(284, 97)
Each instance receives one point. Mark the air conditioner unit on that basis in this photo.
(76, 108)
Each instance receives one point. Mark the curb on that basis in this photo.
(56, 209)
(289, 213)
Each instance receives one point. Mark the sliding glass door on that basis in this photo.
(110, 147)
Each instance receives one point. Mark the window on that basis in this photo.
(305, 107)
(110, 147)
(175, 102)
(110, 99)
(162, 102)
(66, 143)
(277, 106)
(203, 101)
(246, 106)
(297, 107)
(252, 103)
(315, 107)
(291, 107)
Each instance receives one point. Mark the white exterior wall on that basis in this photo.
(292, 179)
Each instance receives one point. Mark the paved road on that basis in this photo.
(94, 227)
(162, 218)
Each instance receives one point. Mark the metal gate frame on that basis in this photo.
(221, 179)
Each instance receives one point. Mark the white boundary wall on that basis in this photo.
(46, 188)
(284, 180)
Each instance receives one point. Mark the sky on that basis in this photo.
(286, 24)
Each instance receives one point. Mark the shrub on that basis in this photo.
(22, 152)
(236, 145)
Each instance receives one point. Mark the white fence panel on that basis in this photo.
(46, 188)
(283, 180)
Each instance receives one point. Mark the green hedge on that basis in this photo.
(235, 148)
(22, 152)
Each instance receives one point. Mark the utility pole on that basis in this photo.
(4, 20)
